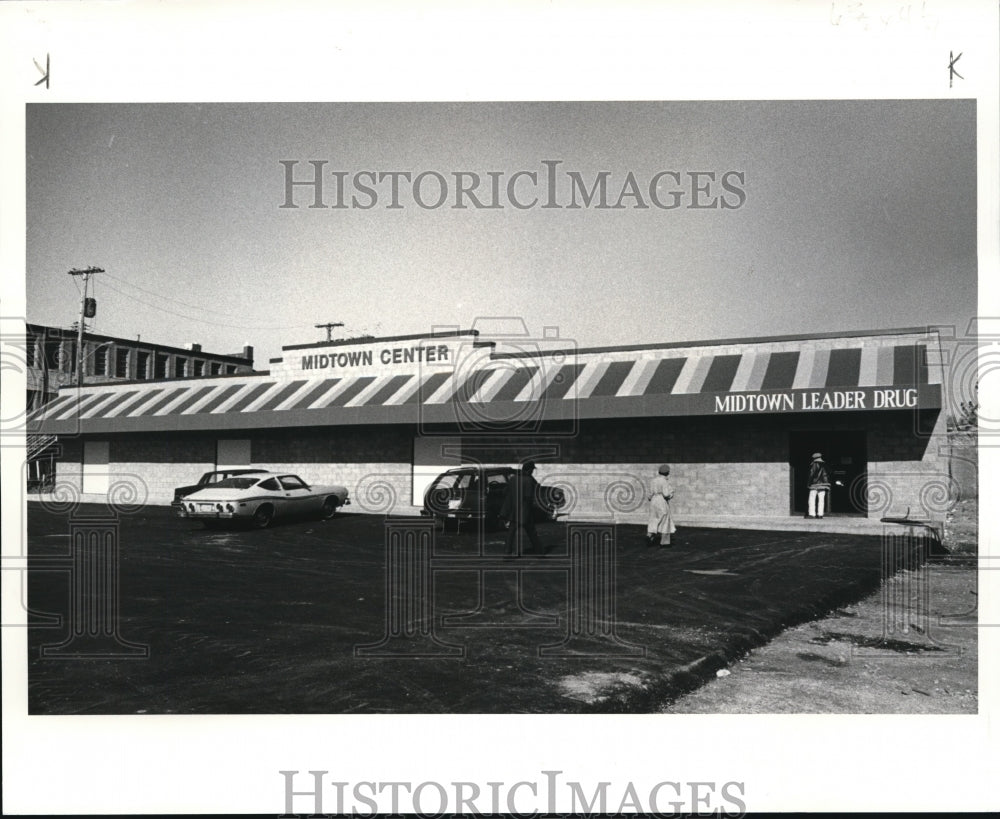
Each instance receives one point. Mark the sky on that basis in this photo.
(840, 215)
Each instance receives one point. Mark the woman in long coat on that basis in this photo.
(660, 520)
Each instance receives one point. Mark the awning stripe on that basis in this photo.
(744, 372)
(563, 381)
(884, 373)
(515, 384)
(665, 377)
(803, 372)
(613, 378)
(55, 406)
(119, 399)
(721, 373)
(868, 376)
(693, 375)
(909, 365)
(427, 389)
(638, 379)
(781, 370)
(143, 401)
(364, 397)
(125, 407)
(351, 390)
(538, 384)
(471, 385)
(224, 406)
(220, 396)
(158, 405)
(282, 394)
(821, 364)
(844, 369)
(191, 399)
(92, 402)
(501, 375)
(395, 385)
(72, 407)
(587, 380)
(761, 362)
(314, 395)
(249, 397)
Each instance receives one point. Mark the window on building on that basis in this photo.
(199, 368)
(121, 364)
(216, 368)
(52, 354)
(180, 367)
(230, 369)
(141, 364)
(101, 360)
(160, 366)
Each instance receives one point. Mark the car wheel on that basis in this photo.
(330, 506)
(262, 516)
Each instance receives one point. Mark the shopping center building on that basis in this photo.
(737, 419)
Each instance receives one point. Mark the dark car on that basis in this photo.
(210, 478)
(471, 493)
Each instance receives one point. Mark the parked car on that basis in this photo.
(471, 493)
(260, 499)
(210, 478)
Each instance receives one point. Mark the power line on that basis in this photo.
(200, 320)
(168, 298)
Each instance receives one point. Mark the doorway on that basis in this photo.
(846, 456)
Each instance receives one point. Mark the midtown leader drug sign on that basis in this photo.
(870, 398)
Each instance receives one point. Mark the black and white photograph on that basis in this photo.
(491, 425)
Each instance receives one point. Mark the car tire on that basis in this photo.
(262, 516)
(330, 507)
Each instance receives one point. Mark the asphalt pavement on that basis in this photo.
(367, 614)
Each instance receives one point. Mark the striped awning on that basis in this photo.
(551, 386)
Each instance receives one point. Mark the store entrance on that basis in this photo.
(846, 456)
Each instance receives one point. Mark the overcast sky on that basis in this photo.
(841, 216)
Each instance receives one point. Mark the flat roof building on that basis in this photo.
(737, 418)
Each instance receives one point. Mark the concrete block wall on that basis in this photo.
(964, 463)
(900, 483)
(722, 466)
(373, 462)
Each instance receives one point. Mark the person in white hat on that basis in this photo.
(819, 486)
(661, 522)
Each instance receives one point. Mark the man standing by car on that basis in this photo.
(519, 510)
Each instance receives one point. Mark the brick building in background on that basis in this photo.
(51, 360)
(737, 419)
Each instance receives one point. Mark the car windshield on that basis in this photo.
(453, 480)
(236, 483)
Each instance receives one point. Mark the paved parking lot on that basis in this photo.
(320, 617)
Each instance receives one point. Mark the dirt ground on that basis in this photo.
(909, 648)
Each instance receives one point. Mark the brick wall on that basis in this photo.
(721, 465)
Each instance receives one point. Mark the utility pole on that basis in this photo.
(86, 273)
(329, 327)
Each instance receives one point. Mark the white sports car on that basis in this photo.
(259, 499)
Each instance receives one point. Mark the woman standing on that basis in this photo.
(660, 520)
